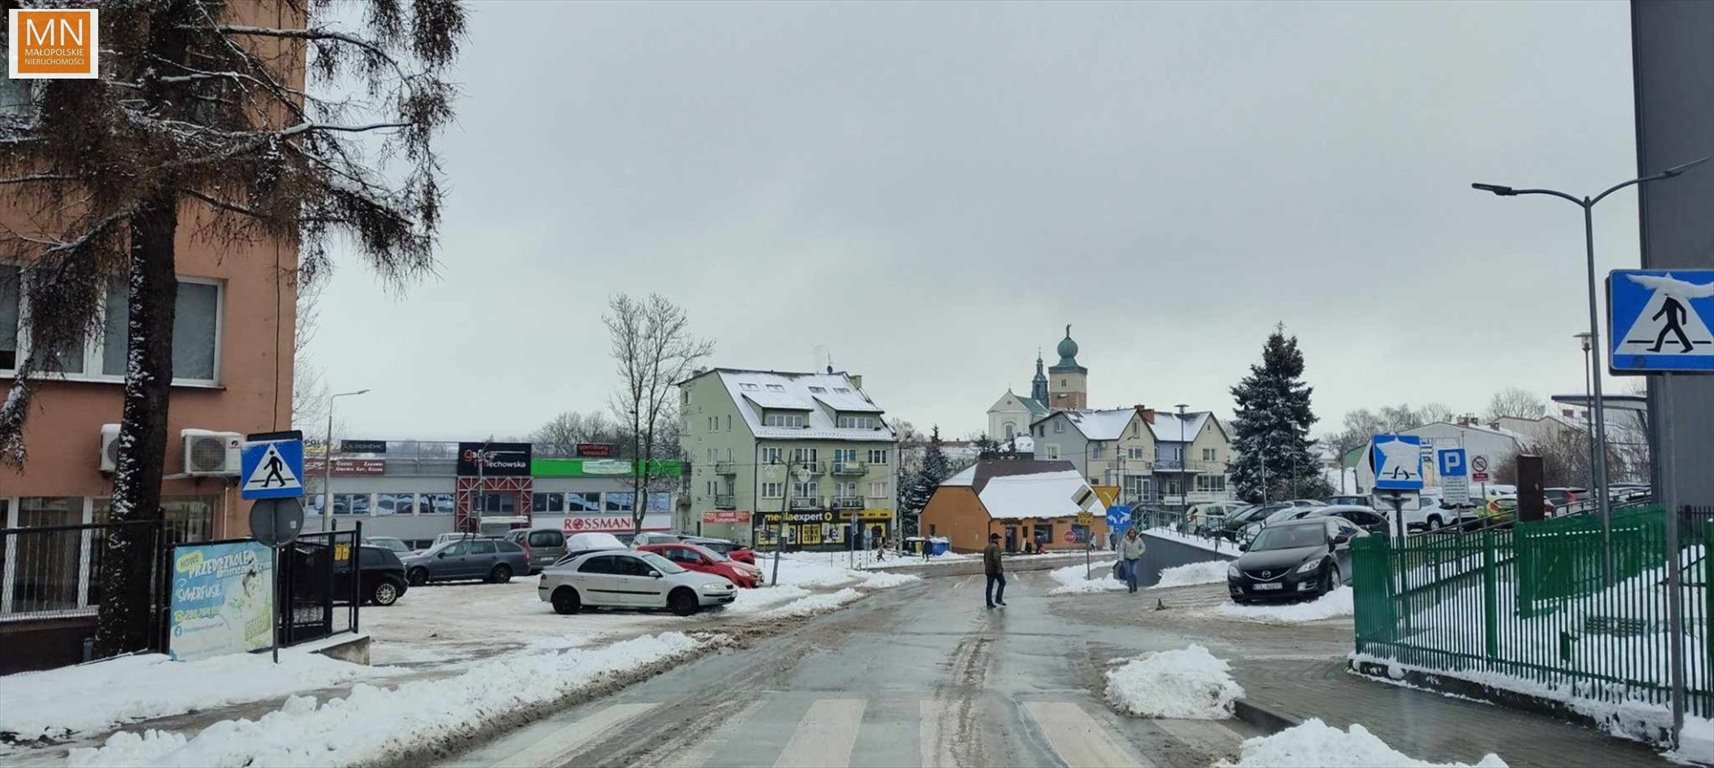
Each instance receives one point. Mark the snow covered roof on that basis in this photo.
(1047, 494)
(966, 478)
(1025, 443)
(822, 396)
(1167, 425)
(1101, 425)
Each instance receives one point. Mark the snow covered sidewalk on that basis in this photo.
(1315, 744)
(1072, 579)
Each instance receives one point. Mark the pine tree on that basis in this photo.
(1272, 426)
(918, 483)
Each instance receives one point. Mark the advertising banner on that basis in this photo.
(222, 596)
(345, 467)
(726, 516)
(494, 459)
(595, 451)
(613, 523)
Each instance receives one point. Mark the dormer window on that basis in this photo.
(776, 388)
(747, 387)
(819, 390)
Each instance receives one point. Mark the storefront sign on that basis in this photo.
(222, 597)
(661, 468)
(362, 446)
(314, 467)
(606, 467)
(611, 523)
(799, 517)
(726, 516)
(874, 515)
(594, 451)
(494, 459)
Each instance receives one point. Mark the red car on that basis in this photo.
(730, 549)
(699, 558)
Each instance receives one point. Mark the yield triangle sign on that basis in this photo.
(272, 473)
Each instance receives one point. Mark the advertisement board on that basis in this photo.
(221, 600)
(494, 459)
(726, 516)
(613, 523)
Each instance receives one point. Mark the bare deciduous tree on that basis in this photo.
(309, 391)
(198, 116)
(655, 350)
(562, 434)
(1516, 403)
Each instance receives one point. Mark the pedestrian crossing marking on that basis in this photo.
(272, 473)
(1077, 739)
(933, 748)
(560, 747)
(825, 736)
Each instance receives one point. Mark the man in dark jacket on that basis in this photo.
(996, 574)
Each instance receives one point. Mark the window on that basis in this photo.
(842, 390)
(1052, 452)
(713, 455)
(931, 529)
(45, 576)
(782, 419)
(508, 546)
(370, 557)
(846, 490)
(1009, 434)
(395, 503)
(436, 503)
(845, 455)
(729, 424)
(602, 564)
(1135, 453)
(1059, 426)
(819, 390)
(809, 490)
(776, 388)
(1172, 487)
(621, 502)
(1211, 483)
(351, 503)
(547, 502)
(1094, 480)
(772, 455)
(858, 422)
(773, 490)
(196, 332)
(17, 98)
(583, 501)
(1062, 382)
(712, 487)
(481, 547)
(1208, 454)
(747, 387)
(806, 458)
(546, 539)
(878, 489)
(1095, 450)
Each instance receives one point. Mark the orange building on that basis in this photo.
(1035, 503)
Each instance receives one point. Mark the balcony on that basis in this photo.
(848, 502)
(1169, 463)
(806, 502)
(725, 501)
(850, 468)
(725, 468)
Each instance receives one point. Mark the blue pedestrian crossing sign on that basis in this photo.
(272, 468)
(1397, 460)
(1659, 320)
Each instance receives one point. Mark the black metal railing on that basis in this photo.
(55, 571)
(320, 586)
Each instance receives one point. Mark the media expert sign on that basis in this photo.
(222, 596)
(494, 459)
(53, 44)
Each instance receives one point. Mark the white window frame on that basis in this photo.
(773, 489)
(94, 346)
(773, 454)
(1052, 451)
(877, 489)
(877, 455)
(1058, 426)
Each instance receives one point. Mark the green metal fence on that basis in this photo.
(1544, 603)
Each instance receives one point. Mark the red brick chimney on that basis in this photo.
(1148, 414)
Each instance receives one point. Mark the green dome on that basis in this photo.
(1067, 348)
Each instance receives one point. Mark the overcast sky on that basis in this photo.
(930, 192)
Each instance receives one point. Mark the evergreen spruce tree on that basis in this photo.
(917, 486)
(1271, 426)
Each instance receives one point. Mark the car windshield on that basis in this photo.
(660, 563)
(1289, 537)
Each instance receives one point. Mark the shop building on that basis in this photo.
(807, 455)
(1034, 503)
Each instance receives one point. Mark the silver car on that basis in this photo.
(630, 579)
(488, 559)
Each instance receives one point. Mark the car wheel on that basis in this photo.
(566, 601)
(384, 593)
(682, 602)
(418, 577)
(501, 574)
(1434, 523)
(1333, 580)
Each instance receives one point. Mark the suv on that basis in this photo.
(545, 545)
(380, 575)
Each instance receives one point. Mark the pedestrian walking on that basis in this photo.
(1131, 554)
(996, 573)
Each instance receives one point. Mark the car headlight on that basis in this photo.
(716, 587)
(1232, 570)
(1309, 567)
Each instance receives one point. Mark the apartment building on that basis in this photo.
(1153, 457)
(807, 455)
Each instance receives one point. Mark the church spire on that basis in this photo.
(1038, 385)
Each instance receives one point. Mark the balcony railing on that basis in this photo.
(725, 468)
(806, 502)
(1171, 463)
(849, 468)
(848, 502)
(725, 501)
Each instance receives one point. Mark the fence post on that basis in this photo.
(357, 573)
(1490, 596)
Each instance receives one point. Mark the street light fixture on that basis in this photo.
(1588, 206)
(1183, 461)
(327, 521)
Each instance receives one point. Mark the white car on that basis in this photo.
(630, 579)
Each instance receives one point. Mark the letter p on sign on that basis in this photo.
(1451, 461)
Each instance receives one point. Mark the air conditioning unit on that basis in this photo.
(211, 454)
(109, 447)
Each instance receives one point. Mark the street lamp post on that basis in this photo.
(1588, 206)
(1588, 415)
(1183, 463)
(327, 521)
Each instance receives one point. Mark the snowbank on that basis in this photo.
(1315, 744)
(884, 580)
(1696, 743)
(753, 600)
(1188, 684)
(810, 569)
(61, 701)
(1211, 572)
(815, 604)
(1331, 605)
(1072, 582)
(373, 725)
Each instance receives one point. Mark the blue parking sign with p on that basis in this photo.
(1450, 462)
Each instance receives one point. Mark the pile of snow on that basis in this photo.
(1186, 684)
(1211, 572)
(1315, 744)
(68, 700)
(815, 604)
(1072, 579)
(1695, 742)
(1331, 605)
(810, 569)
(753, 600)
(374, 725)
(884, 580)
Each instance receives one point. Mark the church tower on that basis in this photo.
(1068, 382)
(1038, 385)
